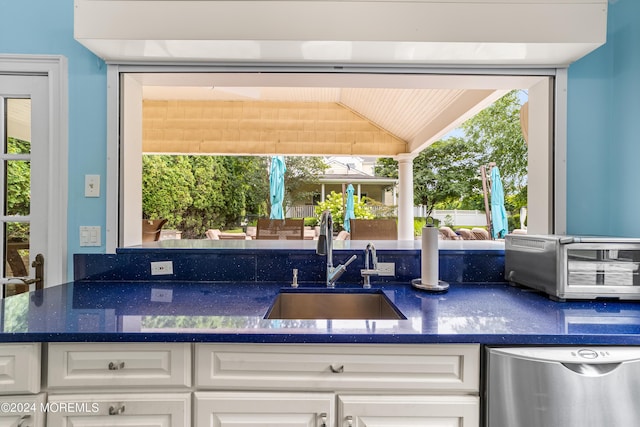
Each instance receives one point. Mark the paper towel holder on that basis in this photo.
(429, 281)
(441, 286)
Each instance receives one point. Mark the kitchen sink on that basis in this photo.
(373, 305)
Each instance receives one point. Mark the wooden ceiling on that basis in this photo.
(377, 122)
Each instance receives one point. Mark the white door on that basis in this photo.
(408, 411)
(263, 409)
(24, 130)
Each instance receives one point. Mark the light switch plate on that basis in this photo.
(92, 186)
(90, 235)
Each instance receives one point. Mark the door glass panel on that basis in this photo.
(16, 249)
(18, 113)
(16, 194)
(18, 188)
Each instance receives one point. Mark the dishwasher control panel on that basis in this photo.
(573, 354)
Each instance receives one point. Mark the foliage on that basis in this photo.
(386, 166)
(496, 130)
(301, 174)
(18, 197)
(335, 204)
(311, 222)
(445, 172)
(199, 192)
(195, 193)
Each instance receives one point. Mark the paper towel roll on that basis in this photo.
(429, 256)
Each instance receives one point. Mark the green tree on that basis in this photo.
(496, 131)
(446, 172)
(302, 173)
(166, 187)
(207, 199)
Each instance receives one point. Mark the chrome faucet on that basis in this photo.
(325, 247)
(367, 272)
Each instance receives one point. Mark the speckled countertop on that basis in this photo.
(234, 312)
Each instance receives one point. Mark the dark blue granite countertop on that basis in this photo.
(172, 311)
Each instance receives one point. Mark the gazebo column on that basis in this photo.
(405, 197)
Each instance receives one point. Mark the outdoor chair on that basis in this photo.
(519, 231)
(280, 229)
(213, 234)
(343, 235)
(448, 234)
(374, 229)
(232, 236)
(480, 233)
(151, 229)
(466, 234)
(251, 231)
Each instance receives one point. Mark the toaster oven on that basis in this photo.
(574, 267)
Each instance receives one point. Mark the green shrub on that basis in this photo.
(311, 222)
(333, 203)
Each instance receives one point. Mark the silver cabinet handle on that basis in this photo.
(323, 419)
(338, 370)
(23, 420)
(115, 366)
(349, 419)
(116, 410)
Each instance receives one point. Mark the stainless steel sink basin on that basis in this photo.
(333, 305)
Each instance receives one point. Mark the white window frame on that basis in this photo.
(55, 68)
(550, 201)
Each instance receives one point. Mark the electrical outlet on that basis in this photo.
(161, 267)
(161, 295)
(386, 269)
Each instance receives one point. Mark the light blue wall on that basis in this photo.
(45, 27)
(603, 159)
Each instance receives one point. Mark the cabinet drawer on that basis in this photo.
(122, 409)
(116, 365)
(23, 411)
(338, 367)
(19, 368)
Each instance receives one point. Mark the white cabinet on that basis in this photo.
(233, 409)
(19, 368)
(121, 409)
(22, 410)
(117, 365)
(408, 410)
(119, 384)
(374, 385)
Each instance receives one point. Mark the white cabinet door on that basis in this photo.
(124, 409)
(117, 365)
(22, 411)
(255, 409)
(19, 368)
(408, 411)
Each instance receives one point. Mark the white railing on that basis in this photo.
(460, 217)
(301, 211)
(454, 216)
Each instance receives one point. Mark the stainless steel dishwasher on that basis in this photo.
(563, 387)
